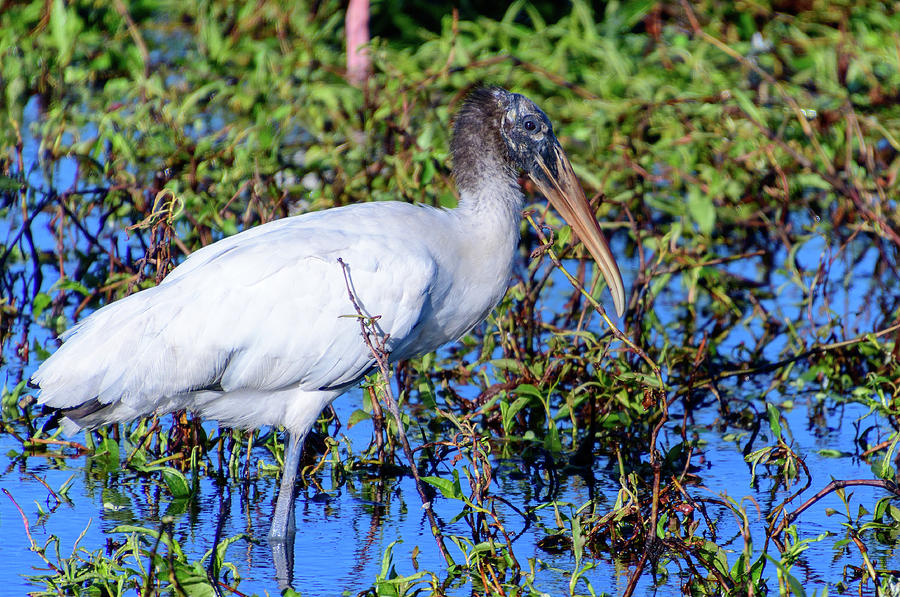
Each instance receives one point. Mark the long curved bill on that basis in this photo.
(561, 187)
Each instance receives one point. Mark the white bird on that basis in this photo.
(253, 330)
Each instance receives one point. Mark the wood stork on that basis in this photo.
(252, 330)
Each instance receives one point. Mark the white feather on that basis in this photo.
(254, 329)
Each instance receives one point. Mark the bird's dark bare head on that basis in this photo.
(497, 134)
(496, 128)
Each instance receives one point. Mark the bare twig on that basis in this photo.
(652, 539)
(55, 442)
(378, 424)
(136, 37)
(381, 355)
(48, 488)
(34, 546)
(769, 367)
(597, 306)
(833, 486)
(144, 440)
(870, 569)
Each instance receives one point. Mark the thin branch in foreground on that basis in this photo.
(34, 546)
(835, 485)
(370, 330)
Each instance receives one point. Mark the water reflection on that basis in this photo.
(783, 294)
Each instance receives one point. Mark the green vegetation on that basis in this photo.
(745, 157)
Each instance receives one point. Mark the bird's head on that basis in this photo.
(524, 136)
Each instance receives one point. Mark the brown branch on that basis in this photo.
(877, 448)
(658, 393)
(833, 486)
(369, 329)
(135, 36)
(652, 539)
(597, 306)
(141, 444)
(674, 269)
(48, 488)
(868, 563)
(767, 367)
(55, 442)
(34, 546)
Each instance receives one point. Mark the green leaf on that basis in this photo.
(451, 489)
(176, 482)
(509, 411)
(357, 416)
(8, 184)
(106, 455)
(774, 419)
(40, 303)
(702, 210)
(70, 284)
(661, 525)
(747, 105)
(551, 441)
(59, 31)
(222, 547)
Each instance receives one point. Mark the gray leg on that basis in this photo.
(281, 533)
(283, 519)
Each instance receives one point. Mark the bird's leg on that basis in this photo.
(283, 519)
(281, 533)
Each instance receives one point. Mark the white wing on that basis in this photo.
(263, 310)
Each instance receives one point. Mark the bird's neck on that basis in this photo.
(495, 204)
(490, 198)
(488, 217)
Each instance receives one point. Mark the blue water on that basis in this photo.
(344, 529)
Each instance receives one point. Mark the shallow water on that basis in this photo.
(344, 530)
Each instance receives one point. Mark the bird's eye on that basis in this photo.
(529, 124)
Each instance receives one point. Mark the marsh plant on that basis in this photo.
(745, 160)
